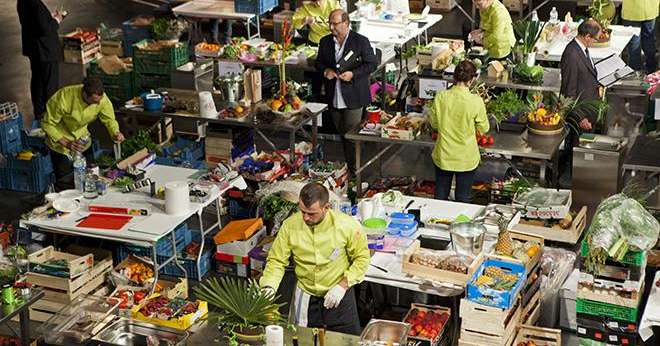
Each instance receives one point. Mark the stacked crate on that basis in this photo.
(153, 68)
(84, 273)
(135, 30)
(608, 302)
(81, 46)
(118, 87)
(23, 172)
(183, 152)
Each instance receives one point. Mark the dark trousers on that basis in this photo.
(43, 84)
(63, 169)
(346, 120)
(464, 181)
(342, 319)
(647, 41)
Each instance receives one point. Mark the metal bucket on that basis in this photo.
(467, 238)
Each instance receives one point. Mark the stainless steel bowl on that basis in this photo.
(127, 333)
(383, 332)
(467, 238)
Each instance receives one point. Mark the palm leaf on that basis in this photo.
(239, 302)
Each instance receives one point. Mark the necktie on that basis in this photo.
(586, 51)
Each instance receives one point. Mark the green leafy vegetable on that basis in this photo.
(122, 182)
(527, 33)
(504, 105)
(526, 74)
(141, 140)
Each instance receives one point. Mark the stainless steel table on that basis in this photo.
(551, 80)
(22, 309)
(507, 144)
(252, 120)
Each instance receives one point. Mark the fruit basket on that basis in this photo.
(286, 106)
(427, 323)
(496, 283)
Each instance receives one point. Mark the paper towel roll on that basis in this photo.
(274, 335)
(177, 198)
(207, 105)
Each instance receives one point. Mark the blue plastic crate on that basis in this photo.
(186, 149)
(257, 7)
(190, 265)
(491, 297)
(34, 142)
(163, 246)
(30, 175)
(10, 130)
(238, 211)
(4, 181)
(133, 34)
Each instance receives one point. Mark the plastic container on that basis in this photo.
(133, 33)
(491, 297)
(375, 228)
(163, 246)
(402, 218)
(29, 175)
(404, 230)
(162, 61)
(190, 265)
(257, 7)
(10, 129)
(152, 101)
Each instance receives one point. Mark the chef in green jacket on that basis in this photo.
(641, 14)
(68, 112)
(315, 14)
(457, 115)
(495, 31)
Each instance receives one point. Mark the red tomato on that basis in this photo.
(491, 140)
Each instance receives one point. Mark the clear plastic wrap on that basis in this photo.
(620, 224)
(445, 260)
(556, 265)
(541, 197)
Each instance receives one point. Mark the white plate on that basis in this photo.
(71, 194)
(66, 205)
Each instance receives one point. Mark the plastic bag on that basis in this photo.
(620, 224)
(556, 265)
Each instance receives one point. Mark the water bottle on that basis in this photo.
(535, 16)
(554, 16)
(344, 5)
(345, 205)
(79, 166)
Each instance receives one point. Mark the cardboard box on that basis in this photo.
(238, 230)
(442, 5)
(234, 269)
(181, 323)
(242, 248)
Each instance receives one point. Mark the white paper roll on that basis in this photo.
(274, 336)
(207, 105)
(177, 198)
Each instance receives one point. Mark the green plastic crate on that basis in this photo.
(595, 308)
(634, 258)
(118, 88)
(162, 61)
(146, 82)
(117, 95)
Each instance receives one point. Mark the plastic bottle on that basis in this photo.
(79, 166)
(535, 16)
(554, 16)
(345, 205)
(343, 4)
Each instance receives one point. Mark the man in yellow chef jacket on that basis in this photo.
(330, 255)
(641, 14)
(68, 112)
(495, 31)
(315, 14)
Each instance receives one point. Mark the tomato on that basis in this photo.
(491, 140)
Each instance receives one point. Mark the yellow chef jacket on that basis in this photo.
(323, 255)
(640, 10)
(321, 26)
(498, 30)
(67, 116)
(456, 114)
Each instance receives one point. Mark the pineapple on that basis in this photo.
(484, 280)
(504, 245)
(494, 272)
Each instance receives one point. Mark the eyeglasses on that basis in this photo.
(335, 23)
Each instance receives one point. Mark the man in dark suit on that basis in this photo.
(345, 59)
(41, 45)
(578, 73)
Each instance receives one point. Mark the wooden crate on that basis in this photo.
(483, 322)
(82, 56)
(67, 288)
(44, 309)
(112, 48)
(436, 274)
(524, 237)
(541, 336)
(530, 312)
(418, 340)
(77, 265)
(556, 233)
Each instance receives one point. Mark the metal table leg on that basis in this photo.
(315, 132)
(24, 321)
(358, 168)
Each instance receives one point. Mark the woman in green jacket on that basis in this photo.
(457, 114)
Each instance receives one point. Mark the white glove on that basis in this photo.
(268, 291)
(334, 296)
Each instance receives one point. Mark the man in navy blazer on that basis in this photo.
(41, 44)
(345, 60)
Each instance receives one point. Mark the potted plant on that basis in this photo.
(285, 101)
(603, 11)
(549, 115)
(527, 33)
(243, 309)
(504, 106)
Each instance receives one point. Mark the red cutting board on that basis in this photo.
(105, 221)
